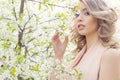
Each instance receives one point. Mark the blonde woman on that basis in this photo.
(97, 53)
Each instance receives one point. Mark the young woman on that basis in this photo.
(98, 55)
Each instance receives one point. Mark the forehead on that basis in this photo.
(82, 7)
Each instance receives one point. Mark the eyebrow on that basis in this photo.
(84, 9)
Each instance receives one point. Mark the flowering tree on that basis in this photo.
(26, 28)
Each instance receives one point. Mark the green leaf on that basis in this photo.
(30, 79)
(76, 7)
(21, 17)
(5, 44)
(45, 27)
(40, 42)
(63, 16)
(13, 13)
(30, 27)
(13, 72)
(39, 6)
(42, 62)
(12, 0)
(78, 3)
(0, 19)
(3, 58)
(17, 49)
(64, 28)
(76, 71)
(37, 18)
(3, 67)
(79, 75)
(46, 0)
(36, 67)
(10, 27)
(46, 7)
(20, 58)
(8, 24)
(62, 68)
(51, 7)
(48, 42)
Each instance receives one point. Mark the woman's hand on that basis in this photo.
(53, 75)
(59, 47)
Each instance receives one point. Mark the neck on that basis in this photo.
(91, 39)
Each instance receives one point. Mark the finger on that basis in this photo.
(56, 33)
(66, 40)
(55, 36)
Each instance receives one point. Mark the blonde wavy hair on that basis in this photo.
(106, 24)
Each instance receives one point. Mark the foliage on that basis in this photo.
(26, 51)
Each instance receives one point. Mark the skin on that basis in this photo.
(109, 68)
(110, 65)
(58, 46)
(90, 25)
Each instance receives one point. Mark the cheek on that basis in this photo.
(90, 21)
(91, 24)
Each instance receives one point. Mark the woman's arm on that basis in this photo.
(59, 46)
(59, 50)
(110, 66)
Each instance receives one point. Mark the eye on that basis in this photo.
(87, 13)
(77, 14)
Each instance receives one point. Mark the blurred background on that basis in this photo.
(26, 28)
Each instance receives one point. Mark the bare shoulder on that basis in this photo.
(111, 54)
(110, 62)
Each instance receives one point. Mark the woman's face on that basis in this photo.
(85, 23)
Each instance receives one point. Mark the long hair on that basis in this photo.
(106, 24)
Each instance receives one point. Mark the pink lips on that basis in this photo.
(81, 26)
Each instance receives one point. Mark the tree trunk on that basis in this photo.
(21, 7)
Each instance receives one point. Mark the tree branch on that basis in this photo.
(19, 27)
(30, 40)
(50, 4)
(48, 20)
(27, 10)
(27, 22)
(6, 18)
(14, 11)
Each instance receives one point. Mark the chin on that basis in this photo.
(82, 33)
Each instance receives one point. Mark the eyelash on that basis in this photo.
(77, 14)
(86, 13)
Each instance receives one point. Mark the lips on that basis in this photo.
(81, 26)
